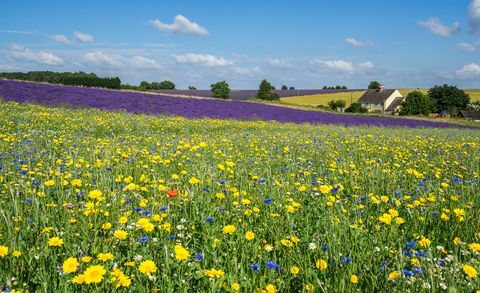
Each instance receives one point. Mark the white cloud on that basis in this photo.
(467, 47)
(249, 71)
(61, 39)
(336, 65)
(83, 37)
(435, 26)
(366, 65)
(469, 71)
(181, 26)
(356, 43)
(141, 62)
(115, 61)
(280, 63)
(474, 16)
(42, 57)
(102, 59)
(201, 59)
(17, 32)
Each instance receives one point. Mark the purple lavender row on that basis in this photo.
(55, 95)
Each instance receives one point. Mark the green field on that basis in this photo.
(323, 99)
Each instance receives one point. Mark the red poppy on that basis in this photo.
(172, 193)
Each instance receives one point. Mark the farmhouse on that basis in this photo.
(382, 100)
(470, 115)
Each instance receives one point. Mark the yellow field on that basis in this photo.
(323, 99)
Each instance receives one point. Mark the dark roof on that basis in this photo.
(375, 96)
(394, 104)
(469, 114)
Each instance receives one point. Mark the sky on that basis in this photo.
(303, 43)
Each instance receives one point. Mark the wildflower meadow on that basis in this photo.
(96, 201)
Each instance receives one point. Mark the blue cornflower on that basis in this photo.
(255, 267)
(198, 257)
(407, 253)
(346, 259)
(420, 254)
(261, 180)
(146, 212)
(143, 239)
(138, 209)
(209, 219)
(28, 200)
(411, 244)
(271, 265)
(324, 248)
(268, 201)
(407, 273)
(172, 237)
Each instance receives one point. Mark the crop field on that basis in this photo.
(323, 99)
(97, 201)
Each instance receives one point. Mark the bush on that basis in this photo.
(356, 108)
(192, 88)
(267, 92)
(220, 90)
(449, 98)
(416, 103)
(338, 104)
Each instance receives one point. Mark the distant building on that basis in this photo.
(470, 115)
(382, 100)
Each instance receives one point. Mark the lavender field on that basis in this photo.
(78, 97)
(243, 95)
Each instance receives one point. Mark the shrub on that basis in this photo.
(267, 92)
(220, 90)
(356, 108)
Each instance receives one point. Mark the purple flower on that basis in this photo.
(143, 239)
(271, 265)
(255, 267)
(198, 257)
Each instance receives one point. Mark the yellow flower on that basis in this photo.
(321, 264)
(354, 279)
(393, 276)
(213, 273)
(55, 241)
(105, 256)
(193, 181)
(70, 265)
(474, 246)
(49, 183)
(309, 287)
(3, 251)
(229, 229)
(470, 271)
(106, 226)
(147, 267)
(424, 242)
(399, 221)
(95, 194)
(76, 183)
(250, 235)
(236, 287)
(385, 218)
(16, 253)
(457, 240)
(94, 274)
(79, 279)
(324, 189)
(86, 259)
(294, 270)
(270, 288)
(120, 234)
(384, 198)
(181, 253)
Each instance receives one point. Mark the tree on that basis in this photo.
(220, 90)
(266, 91)
(356, 108)
(292, 88)
(449, 98)
(192, 88)
(284, 87)
(374, 85)
(416, 103)
(155, 85)
(167, 85)
(338, 104)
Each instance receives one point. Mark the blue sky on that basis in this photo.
(306, 44)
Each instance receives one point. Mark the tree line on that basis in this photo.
(66, 78)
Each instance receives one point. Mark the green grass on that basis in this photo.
(352, 197)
